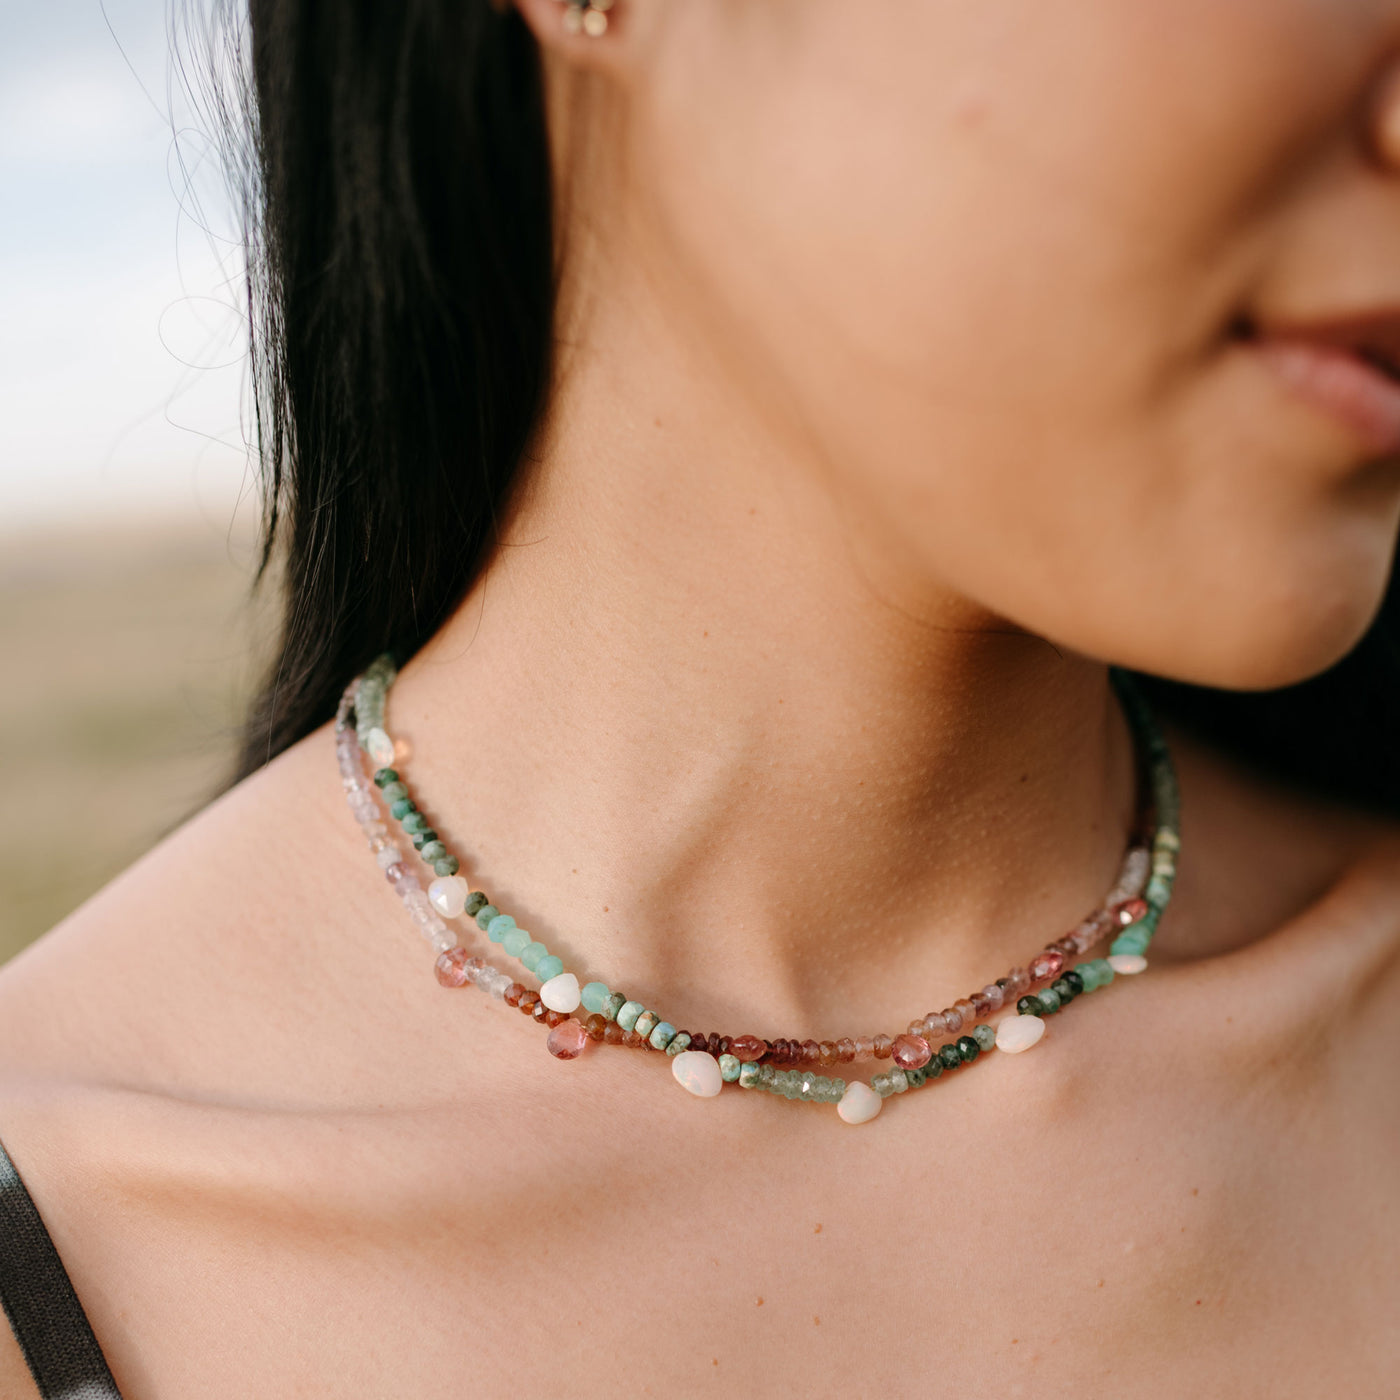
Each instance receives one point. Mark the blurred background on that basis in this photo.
(127, 502)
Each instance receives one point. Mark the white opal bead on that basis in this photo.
(449, 895)
(1128, 963)
(697, 1071)
(380, 748)
(561, 993)
(1017, 1033)
(860, 1103)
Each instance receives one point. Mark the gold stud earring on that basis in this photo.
(587, 17)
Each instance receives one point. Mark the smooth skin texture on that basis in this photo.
(898, 395)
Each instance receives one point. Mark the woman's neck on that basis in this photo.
(698, 730)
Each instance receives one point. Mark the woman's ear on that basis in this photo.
(585, 33)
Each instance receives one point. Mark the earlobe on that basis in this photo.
(587, 16)
(551, 18)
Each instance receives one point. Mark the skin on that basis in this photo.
(897, 395)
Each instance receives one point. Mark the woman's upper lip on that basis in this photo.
(1374, 335)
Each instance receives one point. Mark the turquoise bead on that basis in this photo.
(448, 865)
(748, 1073)
(402, 808)
(432, 850)
(415, 821)
(613, 1005)
(729, 1067)
(394, 792)
(680, 1041)
(1089, 975)
(627, 1014)
(661, 1035)
(485, 914)
(499, 927)
(595, 996)
(515, 941)
(532, 953)
(549, 966)
(646, 1023)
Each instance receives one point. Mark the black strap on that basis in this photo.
(48, 1320)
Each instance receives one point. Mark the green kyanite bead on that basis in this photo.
(426, 837)
(968, 1049)
(1029, 1005)
(838, 1090)
(729, 1067)
(934, 1068)
(595, 996)
(614, 1005)
(485, 914)
(748, 1072)
(985, 1036)
(1063, 990)
(662, 1033)
(415, 821)
(881, 1084)
(949, 1056)
(1106, 972)
(899, 1080)
(917, 1077)
(499, 927)
(431, 850)
(1049, 1002)
(516, 940)
(448, 865)
(1130, 942)
(627, 1014)
(402, 808)
(681, 1039)
(551, 965)
(384, 777)
(394, 792)
(531, 954)
(476, 901)
(1088, 974)
(1073, 979)
(646, 1023)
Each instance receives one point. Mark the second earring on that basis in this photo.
(587, 17)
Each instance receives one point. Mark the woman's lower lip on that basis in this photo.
(1339, 382)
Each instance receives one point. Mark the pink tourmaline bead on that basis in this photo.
(1017, 981)
(1046, 965)
(1130, 911)
(394, 873)
(453, 967)
(911, 1051)
(965, 1009)
(952, 1018)
(865, 1047)
(934, 1025)
(994, 996)
(567, 1039)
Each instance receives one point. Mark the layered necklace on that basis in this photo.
(577, 1014)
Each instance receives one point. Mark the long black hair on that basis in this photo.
(393, 170)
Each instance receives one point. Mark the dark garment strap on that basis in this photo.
(48, 1320)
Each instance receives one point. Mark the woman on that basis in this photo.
(756, 590)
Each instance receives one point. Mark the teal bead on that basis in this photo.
(627, 1014)
(661, 1035)
(476, 901)
(729, 1067)
(426, 837)
(499, 927)
(432, 850)
(402, 808)
(448, 865)
(646, 1023)
(415, 821)
(1130, 943)
(968, 1049)
(394, 792)
(748, 1074)
(1049, 1000)
(680, 1041)
(948, 1054)
(515, 941)
(985, 1036)
(384, 777)
(551, 965)
(485, 914)
(1106, 972)
(1089, 975)
(532, 953)
(614, 1005)
(595, 996)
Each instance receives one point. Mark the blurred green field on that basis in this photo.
(128, 656)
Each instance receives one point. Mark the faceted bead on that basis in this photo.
(985, 1036)
(1017, 981)
(996, 998)
(613, 1034)
(551, 965)
(394, 872)
(865, 1047)
(497, 928)
(633, 1041)
(981, 1006)
(594, 995)
(883, 1047)
(380, 747)
(426, 837)
(596, 1026)
(1063, 990)
(476, 901)
(528, 1001)
(933, 1026)
(531, 953)
(394, 791)
(811, 1052)
(948, 1054)
(729, 1068)
(449, 895)
(827, 1052)
(415, 821)
(881, 1085)
(916, 1077)
(1049, 1002)
(968, 1048)
(553, 1018)
(1017, 1033)
(567, 1039)
(402, 808)
(516, 941)
(1128, 963)
(485, 914)
(451, 968)
(390, 855)
(899, 1081)
(953, 1020)
(1130, 911)
(698, 1073)
(911, 1051)
(966, 1010)
(748, 1047)
(432, 850)
(561, 993)
(1074, 980)
(846, 1049)
(1046, 965)
(513, 993)
(384, 777)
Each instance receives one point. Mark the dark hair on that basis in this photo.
(401, 298)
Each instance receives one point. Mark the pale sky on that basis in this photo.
(121, 335)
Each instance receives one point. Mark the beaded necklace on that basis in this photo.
(703, 1063)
